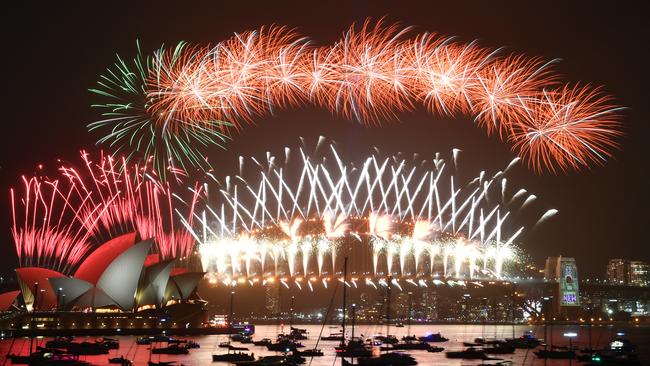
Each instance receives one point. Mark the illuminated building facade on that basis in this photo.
(628, 273)
(617, 272)
(639, 274)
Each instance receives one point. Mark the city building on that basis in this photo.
(628, 273)
(271, 300)
(428, 305)
(401, 307)
(617, 272)
(639, 274)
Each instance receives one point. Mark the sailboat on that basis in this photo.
(333, 336)
(411, 342)
(235, 356)
(388, 358)
(297, 334)
(42, 356)
(354, 347)
(391, 358)
(285, 342)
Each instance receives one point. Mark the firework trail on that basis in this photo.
(134, 198)
(395, 218)
(56, 221)
(181, 100)
(49, 226)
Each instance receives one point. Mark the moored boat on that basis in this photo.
(526, 341)
(284, 345)
(354, 348)
(235, 357)
(87, 348)
(58, 342)
(172, 349)
(468, 354)
(499, 349)
(120, 361)
(408, 345)
(435, 349)
(555, 353)
(389, 339)
(288, 360)
(262, 342)
(433, 337)
(392, 359)
(338, 336)
(312, 352)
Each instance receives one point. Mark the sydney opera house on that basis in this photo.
(119, 287)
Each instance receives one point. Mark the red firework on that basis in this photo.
(134, 199)
(506, 88)
(57, 221)
(568, 128)
(49, 224)
(374, 72)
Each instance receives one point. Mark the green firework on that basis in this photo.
(129, 129)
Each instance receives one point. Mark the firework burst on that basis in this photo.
(57, 220)
(178, 102)
(391, 216)
(571, 127)
(49, 224)
(133, 198)
(131, 126)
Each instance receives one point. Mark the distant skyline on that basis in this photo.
(56, 52)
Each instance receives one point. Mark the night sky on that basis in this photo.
(53, 54)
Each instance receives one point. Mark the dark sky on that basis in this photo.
(54, 53)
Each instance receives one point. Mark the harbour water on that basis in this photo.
(600, 336)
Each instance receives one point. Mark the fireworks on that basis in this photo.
(56, 221)
(392, 217)
(132, 128)
(134, 200)
(180, 98)
(48, 226)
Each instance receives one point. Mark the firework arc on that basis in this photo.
(180, 100)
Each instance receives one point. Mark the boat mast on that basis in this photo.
(514, 304)
(354, 318)
(388, 306)
(232, 298)
(279, 308)
(345, 292)
(408, 315)
(291, 314)
(494, 316)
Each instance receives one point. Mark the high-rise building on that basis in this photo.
(402, 304)
(618, 272)
(271, 303)
(639, 273)
(428, 305)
